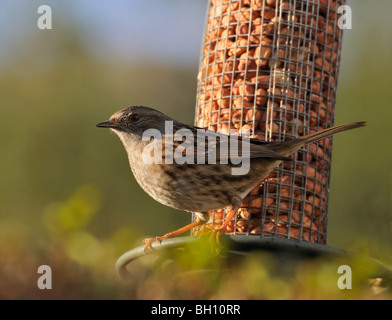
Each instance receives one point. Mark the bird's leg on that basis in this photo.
(172, 234)
(282, 179)
(216, 233)
(268, 179)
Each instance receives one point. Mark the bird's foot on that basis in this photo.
(215, 242)
(216, 246)
(149, 241)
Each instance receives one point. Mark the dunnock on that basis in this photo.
(198, 187)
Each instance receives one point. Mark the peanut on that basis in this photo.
(253, 116)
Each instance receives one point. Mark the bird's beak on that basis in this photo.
(108, 124)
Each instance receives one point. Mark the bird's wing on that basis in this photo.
(205, 146)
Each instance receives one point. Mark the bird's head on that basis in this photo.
(131, 123)
(135, 121)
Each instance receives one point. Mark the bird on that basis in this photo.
(198, 187)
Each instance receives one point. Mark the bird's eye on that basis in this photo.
(134, 117)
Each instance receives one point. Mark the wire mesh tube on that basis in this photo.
(269, 69)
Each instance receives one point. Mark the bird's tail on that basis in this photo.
(289, 147)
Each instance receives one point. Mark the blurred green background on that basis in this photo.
(67, 196)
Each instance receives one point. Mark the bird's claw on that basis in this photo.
(148, 243)
(215, 242)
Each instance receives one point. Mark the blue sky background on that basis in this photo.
(165, 30)
(169, 30)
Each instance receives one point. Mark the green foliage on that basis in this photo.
(195, 273)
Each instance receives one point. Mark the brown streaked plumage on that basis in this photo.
(199, 188)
